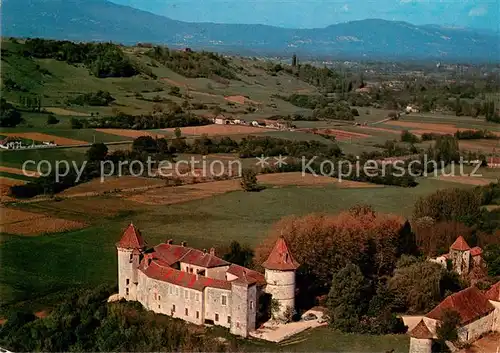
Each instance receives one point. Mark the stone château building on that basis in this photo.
(201, 288)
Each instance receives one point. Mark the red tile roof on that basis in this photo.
(280, 258)
(421, 331)
(494, 292)
(175, 253)
(131, 239)
(246, 274)
(471, 304)
(160, 271)
(460, 244)
(476, 251)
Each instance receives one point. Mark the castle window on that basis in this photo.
(186, 294)
(159, 306)
(197, 314)
(191, 296)
(186, 312)
(131, 257)
(173, 308)
(156, 297)
(159, 297)
(216, 317)
(126, 291)
(191, 270)
(197, 297)
(224, 300)
(229, 319)
(127, 281)
(171, 290)
(251, 304)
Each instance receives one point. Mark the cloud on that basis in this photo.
(345, 8)
(478, 11)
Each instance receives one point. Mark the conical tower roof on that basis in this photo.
(131, 239)
(280, 258)
(460, 244)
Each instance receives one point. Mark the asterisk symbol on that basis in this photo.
(280, 161)
(262, 161)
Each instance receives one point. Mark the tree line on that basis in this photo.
(102, 59)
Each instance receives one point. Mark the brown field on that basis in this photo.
(214, 130)
(21, 222)
(5, 184)
(340, 135)
(83, 207)
(488, 146)
(185, 193)
(240, 100)
(37, 136)
(17, 171)
(128, 182)
(380, 129)
(429, 127)
(469, 180)
(129, 133)
(296, 178)
(62, 111)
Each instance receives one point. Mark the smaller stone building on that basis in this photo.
(463, 258)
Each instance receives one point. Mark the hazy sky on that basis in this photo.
(321, 13)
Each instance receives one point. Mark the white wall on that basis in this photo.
(472, 331)
(418, 345)
(213, 305)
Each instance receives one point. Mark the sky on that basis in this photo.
(321, 13)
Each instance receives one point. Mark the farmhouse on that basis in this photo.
(462, 257)
(222, 120)
(201, 288)
(493, 162)
(479, 314)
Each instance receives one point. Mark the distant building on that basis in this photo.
(411, 109)
(493, 162)
(222, 120)
(463, 258)
(199, 287)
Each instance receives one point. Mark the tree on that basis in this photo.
(97, 152)
(76, 123)
(492, 259)
(52, 120)
(346, 298)
(9, 116)
(446, 330)
(177, 133)
(145, 144)
(249, 180)
(419, 285)
(238, 254)
(294, 60)
(455, 204)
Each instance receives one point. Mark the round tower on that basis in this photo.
(280, 269)
(129, 250)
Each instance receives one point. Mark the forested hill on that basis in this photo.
(101, 20)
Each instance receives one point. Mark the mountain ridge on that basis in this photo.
(101, 20)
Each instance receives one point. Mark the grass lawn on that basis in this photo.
(16, 158)
(324, 339)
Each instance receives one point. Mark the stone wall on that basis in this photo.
(474, 330)
(496, 316)
(127, 274)
(418, 345)
(215, 309)
(281, 285)
(169, 299)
